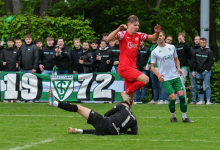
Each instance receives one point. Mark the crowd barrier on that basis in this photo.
(71, 88)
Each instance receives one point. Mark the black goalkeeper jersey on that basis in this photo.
(119, 119)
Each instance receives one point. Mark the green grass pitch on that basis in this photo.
(36, 126)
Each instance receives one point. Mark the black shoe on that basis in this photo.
(187, 120)
(174, 120)
(143, 101)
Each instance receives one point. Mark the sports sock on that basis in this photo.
(172, 105)
(134, 87)
(68, 107)
(184, 115)
(173, 115)
(79, 131)
(183, 105)
(55, 103)
(89, 131)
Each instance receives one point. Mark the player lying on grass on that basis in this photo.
(129, 42)
(168, 73)
(116, 121)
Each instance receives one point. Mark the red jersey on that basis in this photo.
(129, 47)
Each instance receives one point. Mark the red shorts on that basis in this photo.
(129, 74)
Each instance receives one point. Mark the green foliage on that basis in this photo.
(215, 82)
(50, 26)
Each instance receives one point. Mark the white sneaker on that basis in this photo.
(153, 102)
(208, 103)
(161, 102)
(125, 97)
(177, 102)
(192, 103)
(71, 130)
(199, 103)
(166, 102)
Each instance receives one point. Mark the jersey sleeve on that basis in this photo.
(113, 110)
(153, 57)
(120, 35)
(144, 36)
(174, 53)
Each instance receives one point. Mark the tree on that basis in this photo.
(44, 7)
(8, 6)
(17, 6)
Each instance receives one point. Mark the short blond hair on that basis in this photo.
(183, 34)
(76, 40)
(49, 38)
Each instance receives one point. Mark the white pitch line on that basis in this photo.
(31, 145)
(81, 116)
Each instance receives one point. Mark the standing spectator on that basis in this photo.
(169, 39)
(104, 58)
(1, 49)
(94, 45)
(111, 44)
(142, 58)
(153, 77)
(182, 50)
(202, 70)
(63, 60)
(85, 63)
(104, 37)
(10, 57)
(74, 54)
(39, 46)
(18, 43)
(196, 46)
(47, 61)
(29, 56)
(115, 55)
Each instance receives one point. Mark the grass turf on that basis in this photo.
(38, 126)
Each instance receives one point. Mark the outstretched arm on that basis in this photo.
(112, 36)
(177, 62)
(155, 36)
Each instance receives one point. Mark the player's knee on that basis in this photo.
(146, 80)
(172, 96)
(180, 93)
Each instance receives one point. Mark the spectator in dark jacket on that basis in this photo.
(191, 59)
(94, 45)
(18, 43)
(202, 70)
(142, 58)
(10, 57)
(29, 56)
(115, 56)
(47, 61)
(85, 58)
(74, 55)
(39, 46)
(63, 60)
(182, 50)
(104, 58)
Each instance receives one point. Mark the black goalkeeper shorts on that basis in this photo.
(98, 123)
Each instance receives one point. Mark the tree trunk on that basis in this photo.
(44, 7)
(158, 4)
(8, 6)
(213, 42)
(17, 7)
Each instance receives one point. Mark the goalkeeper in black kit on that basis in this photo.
(116, 121)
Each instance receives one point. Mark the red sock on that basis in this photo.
(134, 87)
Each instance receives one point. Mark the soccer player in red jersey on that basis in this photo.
(129, 42)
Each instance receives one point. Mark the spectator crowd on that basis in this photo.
(195, 61)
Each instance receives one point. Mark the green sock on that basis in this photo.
(172, 105)
(183, 105)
